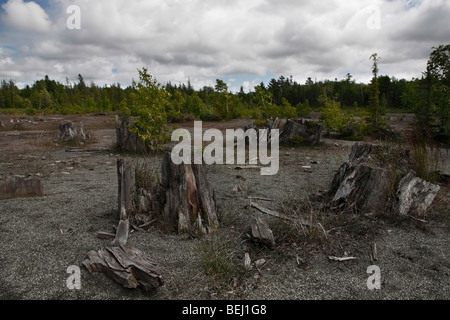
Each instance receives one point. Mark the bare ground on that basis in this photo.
(42, 236)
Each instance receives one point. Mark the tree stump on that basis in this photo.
(126, 140)
(190, 204)
(183, 201)
(67, 131)
(367, 183)
(309, 131)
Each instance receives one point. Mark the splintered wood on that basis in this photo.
(126, 265)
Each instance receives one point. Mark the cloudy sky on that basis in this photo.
(241, 42)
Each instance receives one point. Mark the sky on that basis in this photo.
(240, 42)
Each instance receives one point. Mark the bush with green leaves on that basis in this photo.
(150, 102)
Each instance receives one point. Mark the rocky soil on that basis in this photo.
(42, 236)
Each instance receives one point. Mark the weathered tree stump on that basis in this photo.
(20, 186)
(190, 204)
(183, 201)
(127, 140)
(367, 183)
(67, 131)
(309, 131)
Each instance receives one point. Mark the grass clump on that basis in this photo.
(218, 258)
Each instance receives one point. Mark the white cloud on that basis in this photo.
(26, 16)
(205, 40)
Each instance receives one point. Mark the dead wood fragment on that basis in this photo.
(125, 265)
(121, 233)
(280, 215)
(247, 167)
(259, 232)
(105, 235)
(341, 259)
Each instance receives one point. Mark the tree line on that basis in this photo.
(428, 97)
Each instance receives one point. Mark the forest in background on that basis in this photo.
(339, 101)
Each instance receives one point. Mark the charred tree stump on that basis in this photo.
(190, 204)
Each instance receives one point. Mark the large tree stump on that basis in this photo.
(20, 186)
(367, 183)
(309, 131)
(190, 204)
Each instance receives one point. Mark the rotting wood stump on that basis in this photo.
(376, 180)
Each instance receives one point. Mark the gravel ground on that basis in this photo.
(43, 236)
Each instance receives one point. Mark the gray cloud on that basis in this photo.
(205, 40)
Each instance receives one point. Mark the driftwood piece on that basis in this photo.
(260, 233)
(280, 215)
(105, 235)
(20, 186)
(127, 266)
(121, 233)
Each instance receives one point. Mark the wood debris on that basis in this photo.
(341, 259)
